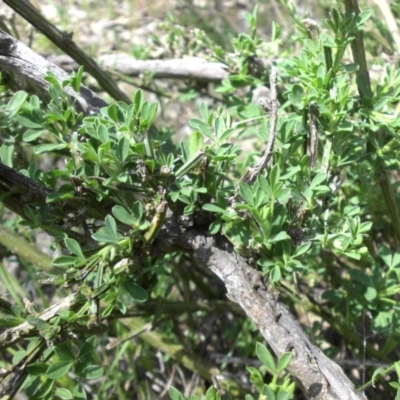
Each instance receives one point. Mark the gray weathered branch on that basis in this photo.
(319, 377)
(193, 68)
(64, 41)
(187, 68)
(31, 70)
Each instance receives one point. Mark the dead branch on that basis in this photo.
(319, 377)
(64, 41)
(13, 335)
(270, 105)
(31, 70)
(187, 68)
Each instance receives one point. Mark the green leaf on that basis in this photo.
(42, 389)
(78, 392)
(175, 394)
(364, 86)
(122, 215)
(212, 394)
(32, 134)
(59, 369)
(112, 112)
(64, 350)
(196, 142)
(76, 79)
(74, 247)
(256, 378)
(52, 78)
(136, 292)
(65, 260)
(204, 111)
(151, 114)
(37, 369)
(102, 132)
(7, 154)
(38, 323)
(283, 395)
(16, 102)
(123, 148)
(377, 373)
(92, 372)
(268, 393)
(370, 293)
(275, 274)
(48, 148)
(296, 96)
(138, 210)
(227, 134)
(108, 233)
(274, 176)
(246, 192)
(265, 263)
(215, 226)
(383, 320)
(386, 254)
(64, 394)
(214, 208)
(318, 179)
(201, 126)
(18, 356)
(303, 248)
(30, 121)
(88, 347)
(283, 362)
(138, 101)
(279, 237)
(363, 16)
(266, 357)
(111, 226)
(276, 31)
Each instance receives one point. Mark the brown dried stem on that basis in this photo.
(271, 105)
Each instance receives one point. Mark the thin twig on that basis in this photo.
(13, 335)
(270, 105)
(313, 135)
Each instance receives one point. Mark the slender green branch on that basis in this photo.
(357, 47)
(21, 247)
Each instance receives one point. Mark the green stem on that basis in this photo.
(25, 250)
(381, 375)
(357, 47)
